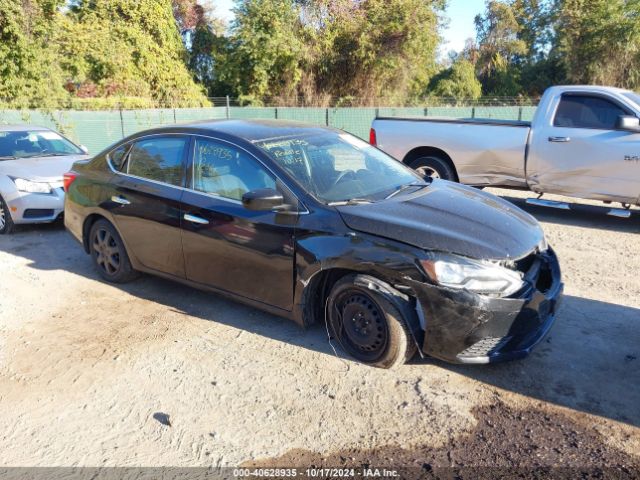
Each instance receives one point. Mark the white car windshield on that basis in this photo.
(338, 167)
(35, 143)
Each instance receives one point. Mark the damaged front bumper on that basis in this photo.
(464, 327)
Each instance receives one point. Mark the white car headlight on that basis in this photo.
(31, 187)
(478, 276)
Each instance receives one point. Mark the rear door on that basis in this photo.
(146, 198)
(579, 152)
(226, 246)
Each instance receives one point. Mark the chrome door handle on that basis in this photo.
(560, 139)
(120, 200)
(194, 219)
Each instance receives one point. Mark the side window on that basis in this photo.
(159, 159)
(221, 169)
(116, 157)
(581, 111)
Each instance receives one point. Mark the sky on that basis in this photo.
(460, 12)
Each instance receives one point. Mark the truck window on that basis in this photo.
(583, 111)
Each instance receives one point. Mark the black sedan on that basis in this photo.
(315, 225)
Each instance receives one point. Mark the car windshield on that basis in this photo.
(338, 167)
(34, 143)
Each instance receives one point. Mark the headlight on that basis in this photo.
(478, 276)
(31, 187)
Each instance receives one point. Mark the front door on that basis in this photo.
(580, 153)
(145, 201)
(226, 246)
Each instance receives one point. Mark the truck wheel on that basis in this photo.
(434, 167)
(367, 325)
(109, 255)
(6, 223)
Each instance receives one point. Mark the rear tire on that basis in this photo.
(434, 167)
(368, 326)
(6, 222)
(109, 254)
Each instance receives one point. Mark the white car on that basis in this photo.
(32, 163)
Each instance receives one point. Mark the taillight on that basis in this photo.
(372, 137)
(67, 179)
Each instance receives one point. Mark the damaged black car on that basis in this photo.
(315, 225)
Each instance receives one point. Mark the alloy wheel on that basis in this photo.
(3, 220)
(106, 251)
(428, 172)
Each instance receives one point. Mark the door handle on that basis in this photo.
(120, 200)
(560, 139)
(194, 219)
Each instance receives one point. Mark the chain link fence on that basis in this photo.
(97, 129)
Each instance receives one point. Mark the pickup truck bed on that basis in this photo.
(496, 143)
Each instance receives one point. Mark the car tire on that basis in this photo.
(368, 326)
(109, 254)
(6, 222)
(434, 167)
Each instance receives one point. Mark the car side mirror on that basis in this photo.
(262, 199)
(628, 123)
(84, 149)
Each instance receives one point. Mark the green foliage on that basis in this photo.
(459, 81)
(102, 54)
(126, 48)
(29, 71)
(371, 49)
(263, 55)
(499, 46)
(598, 41)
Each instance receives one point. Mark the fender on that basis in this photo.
(392, 264)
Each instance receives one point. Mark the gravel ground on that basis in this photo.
(154, 373)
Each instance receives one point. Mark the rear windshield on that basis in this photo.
(36, 143)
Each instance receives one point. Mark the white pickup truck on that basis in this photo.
(583, 142)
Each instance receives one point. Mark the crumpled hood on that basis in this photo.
(450, 217)
(39, 169)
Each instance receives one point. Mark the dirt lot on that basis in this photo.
(154, 373)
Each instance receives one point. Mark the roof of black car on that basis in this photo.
(250, 130)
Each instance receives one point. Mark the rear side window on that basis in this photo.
(159, 159)
(582, 111)
(116, 158)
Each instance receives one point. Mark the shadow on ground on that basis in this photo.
(590, 362)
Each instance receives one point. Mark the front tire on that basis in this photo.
(368, 326)
(6, 222)
(109, 254)
(434, 167)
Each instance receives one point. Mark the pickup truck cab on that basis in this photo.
(583, 142)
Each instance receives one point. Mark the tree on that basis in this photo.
(499, 46)
(126, 48)
(459, 81)
(373, 48)
(264, 53)
(29, 73)
(598, 41)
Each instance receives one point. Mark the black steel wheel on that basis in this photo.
(6, 222)
(109, 254)
(367, 325)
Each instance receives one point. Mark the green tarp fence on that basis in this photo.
(99, 129)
